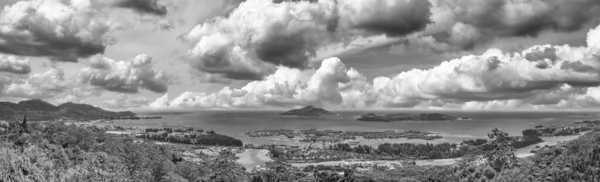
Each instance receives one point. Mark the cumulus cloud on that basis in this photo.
(389, 17)
(495, 77)
(465, 23)
(285, 87)
(143, 6)
(60, 30)
(128, 76)
(160, 103)
(51, 84)
(14, 64)
(260, 35)
(124, 101)
(39, 85)
(543, 76)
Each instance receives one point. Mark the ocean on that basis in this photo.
(235, 123)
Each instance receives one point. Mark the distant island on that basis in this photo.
(308, 111)
(37, 110)
(408, 117)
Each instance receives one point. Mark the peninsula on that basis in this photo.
(408, 117)
(308, 111)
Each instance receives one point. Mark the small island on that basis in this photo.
(408, 117)
(308, 111)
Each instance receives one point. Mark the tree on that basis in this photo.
(499, 152)
(24, 128)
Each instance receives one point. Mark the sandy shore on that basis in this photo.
(526, 151)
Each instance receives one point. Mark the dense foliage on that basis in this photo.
(191, 137)
(426, 151)
(577, 160)
(58, 152)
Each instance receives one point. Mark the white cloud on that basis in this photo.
(14, 64)
(540, 77)
(260, 34)
(127, 76)
(285, 87)
(51, 84)
(61, 30)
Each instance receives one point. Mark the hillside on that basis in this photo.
(308, 111)
(37, 109)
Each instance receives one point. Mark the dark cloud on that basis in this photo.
(578, 66)
(542, 54)
(392, 18)
(288, 50)
(395, 19)
(68, 49)
(143, 6)
(473, 22)
(493, 63)
(221, 63)
(529, 18)
(543, 57)
(76, 32)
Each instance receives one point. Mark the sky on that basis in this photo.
(275, 54)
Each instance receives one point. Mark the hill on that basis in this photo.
(37, 110)
(308, 111)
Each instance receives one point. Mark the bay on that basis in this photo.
(235, 123)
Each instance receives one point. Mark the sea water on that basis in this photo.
(235, 123)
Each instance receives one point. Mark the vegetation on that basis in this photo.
(561, 130)
(190, 136)
(39, 110)
(312, 135)
(57, 152)
(30, 151)
(307, 111)
(433, 151)
(424, 151)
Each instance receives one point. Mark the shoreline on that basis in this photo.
(549, 141)
(520, 153)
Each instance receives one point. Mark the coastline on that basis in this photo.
(548, 140)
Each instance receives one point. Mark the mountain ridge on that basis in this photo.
(37, 110)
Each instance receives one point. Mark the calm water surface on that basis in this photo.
(235, 123)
